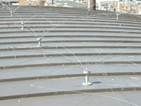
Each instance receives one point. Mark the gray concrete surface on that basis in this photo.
(85, 51)
(47, 72)
(29, 61)
(70, 44)
(85, 99)
(64, 85)
(55, 34)
(73, 41)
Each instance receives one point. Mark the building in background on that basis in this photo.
(130, 6)
(32, 2)
(9, 2)
(124, 6)
(59, 3)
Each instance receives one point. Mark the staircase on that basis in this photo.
(71, 41)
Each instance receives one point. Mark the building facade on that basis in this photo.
(32, 2)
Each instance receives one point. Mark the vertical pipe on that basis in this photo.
(39, 42)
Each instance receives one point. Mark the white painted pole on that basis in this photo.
(22, 25)
(86, 80)
(11, 13)
(118, 10)
(39, 42)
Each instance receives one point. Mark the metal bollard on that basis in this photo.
(39, 42)
(86, 81)
(11, 13)
(117, 16)
(22, 25)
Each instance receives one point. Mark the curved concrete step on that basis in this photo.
(68, 54)
(57, 30)
(95, 51)
(64, 41)
(68, 60)
(49, 72)
(78, 21)
(26, 27)
(33, 39)
(70, 35)
(45, 87)
(127, 98)
(54, 15)
(69, 47)
(69, 22)
(66, 45)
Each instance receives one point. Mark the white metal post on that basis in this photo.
(118, 10)
(11, 13)
(22, 25)
(39, 42)
(86, 80)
